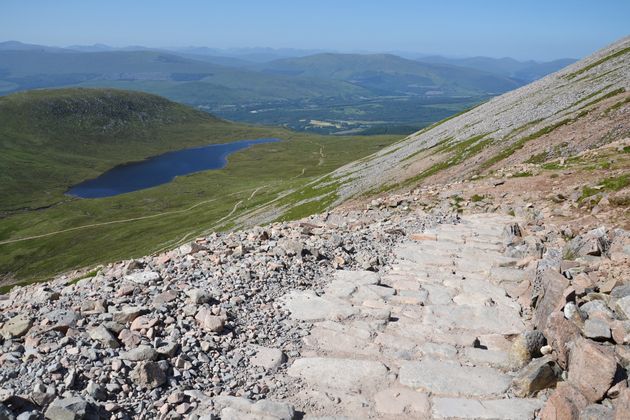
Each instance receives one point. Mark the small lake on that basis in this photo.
(160, 169)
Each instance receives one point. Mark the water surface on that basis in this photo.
(160, 169)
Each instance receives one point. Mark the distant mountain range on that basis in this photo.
(520, 70)
(274, 86)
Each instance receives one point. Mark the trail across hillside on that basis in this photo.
(113, 222)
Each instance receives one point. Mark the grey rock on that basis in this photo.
(72, 408)
(16, 327)
(596, 412)
(539, 374)
(596, 329)
(148, 375)
(449, 378)
(103, 336)
(5, 413)
(622, 308)
(140, 353)
(268, 358)
(143, 277)
(198, 296)
(96, 391)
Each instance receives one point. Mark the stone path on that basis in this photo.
(427, 339)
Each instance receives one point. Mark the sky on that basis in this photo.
(523, 29)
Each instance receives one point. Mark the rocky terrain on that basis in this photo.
(431, 303)
(502, 292)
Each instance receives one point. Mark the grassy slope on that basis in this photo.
(78, 148)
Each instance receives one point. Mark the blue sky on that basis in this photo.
(519, 28)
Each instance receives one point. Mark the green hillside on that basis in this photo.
(50, 140)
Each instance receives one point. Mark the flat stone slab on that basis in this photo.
(449, 378)
(341, 374)
(307, 306)
(461, 408)
(358, 277)
(400, 401)
(344, 340)
(487, 319)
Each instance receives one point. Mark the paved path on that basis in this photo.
(427, 339)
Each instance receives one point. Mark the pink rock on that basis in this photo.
(592, 368)
(564, 404)
(210, 322)
(559, 333)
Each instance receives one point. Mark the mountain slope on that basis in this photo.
(526, 71)
(515, 123)
(585, 105)
(184, 79)
(386, 72)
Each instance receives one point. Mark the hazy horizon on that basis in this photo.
(536, 30)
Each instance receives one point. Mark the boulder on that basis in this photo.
(622, 308)
(140, 353)
(62, 319)
(552, 299)
(198, 296)
(143, 277)
(72, 408)
(560, 332)
(103, 336)
(539, 374)
(592, 368)
(524, 347)
(565, 403)
(16, 327)
(148, 375)
(596, 329)
(594, 243)
(128, 314)
(210, 322)
(267, 358)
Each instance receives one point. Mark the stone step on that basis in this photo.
(450, 378)
(348, 375)
(307, 306)
(497, 319)
(462, 408)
